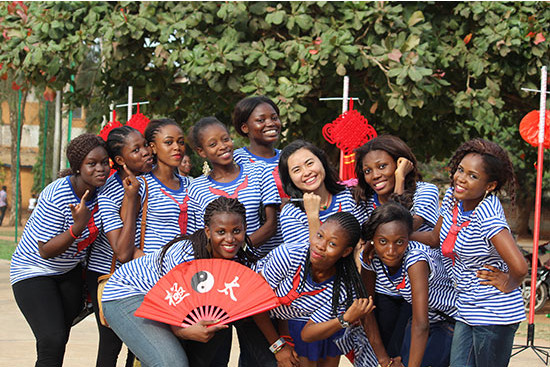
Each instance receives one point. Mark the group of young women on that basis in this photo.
(378, 271)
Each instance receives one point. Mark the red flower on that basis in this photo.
(467, 38)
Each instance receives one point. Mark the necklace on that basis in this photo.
(324, 207)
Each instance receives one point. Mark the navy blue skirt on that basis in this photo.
(317, 350)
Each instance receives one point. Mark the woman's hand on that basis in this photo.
(287, 357)
(131, 183)
(312, 202)
(360, 308)
(404, 167)
(496, 278)
(368, 252)
(200, 331)
(81, 214)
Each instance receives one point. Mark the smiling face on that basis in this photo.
(226, 233)
(185, 166)
(169, 145)
(329, 245)
(216, 145)
(94, 169)
(263, 125)
(379, 172)
(136, 154)
(390, 243)
(471, 182)
(306, 170)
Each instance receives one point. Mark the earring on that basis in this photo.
(372, 243)
(205, 168)
(487, 192)
(77, 171)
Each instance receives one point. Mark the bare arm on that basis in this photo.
(268, 229)
(420, 328)
(429, 238)
(508, 250)
(312, 203)
(286, 357)
(313, 331)
(60, 243)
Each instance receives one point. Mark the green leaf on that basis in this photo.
(412, 41)
(416, 17)
(275, 17)
(341, 70)
(414, 74)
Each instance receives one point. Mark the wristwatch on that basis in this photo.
(343, 322)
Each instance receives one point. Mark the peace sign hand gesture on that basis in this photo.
(81, 214)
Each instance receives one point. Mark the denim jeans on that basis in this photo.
(153, 343)
(392, 315)
(481, 346)
(438, 346)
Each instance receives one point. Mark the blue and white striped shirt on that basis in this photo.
(283, 268)
(244, 156)
(441, 293)
(163, 212)
(51, 217)
(110, 200)
(425, 205)
(138, 276)
(253, 187)
(294, 222)
(479, 304)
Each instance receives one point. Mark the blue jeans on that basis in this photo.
(392, 314)
(153, 343)
(438, 347)
(481, 346)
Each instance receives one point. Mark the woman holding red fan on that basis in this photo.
(159, 344)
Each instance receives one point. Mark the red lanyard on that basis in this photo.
(293, 294)
(235, 195)
(447, 248)
(93, 231)
(182, 218)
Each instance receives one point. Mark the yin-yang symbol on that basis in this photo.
(202, 281)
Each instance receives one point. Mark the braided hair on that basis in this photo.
(244, 109)
(391, 211)
(78, 149)
(331, 178)
(116, 141)
(396, 148)
(496, 162)
(195, 134)
(347, 277)
(200, 243)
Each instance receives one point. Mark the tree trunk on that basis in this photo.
(15, 180)
(524, 205)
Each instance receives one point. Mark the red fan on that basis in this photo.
(207, 289)
(529, 128)
(138, 121)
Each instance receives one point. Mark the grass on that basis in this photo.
(6, 249)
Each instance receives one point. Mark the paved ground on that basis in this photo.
(17, 342)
